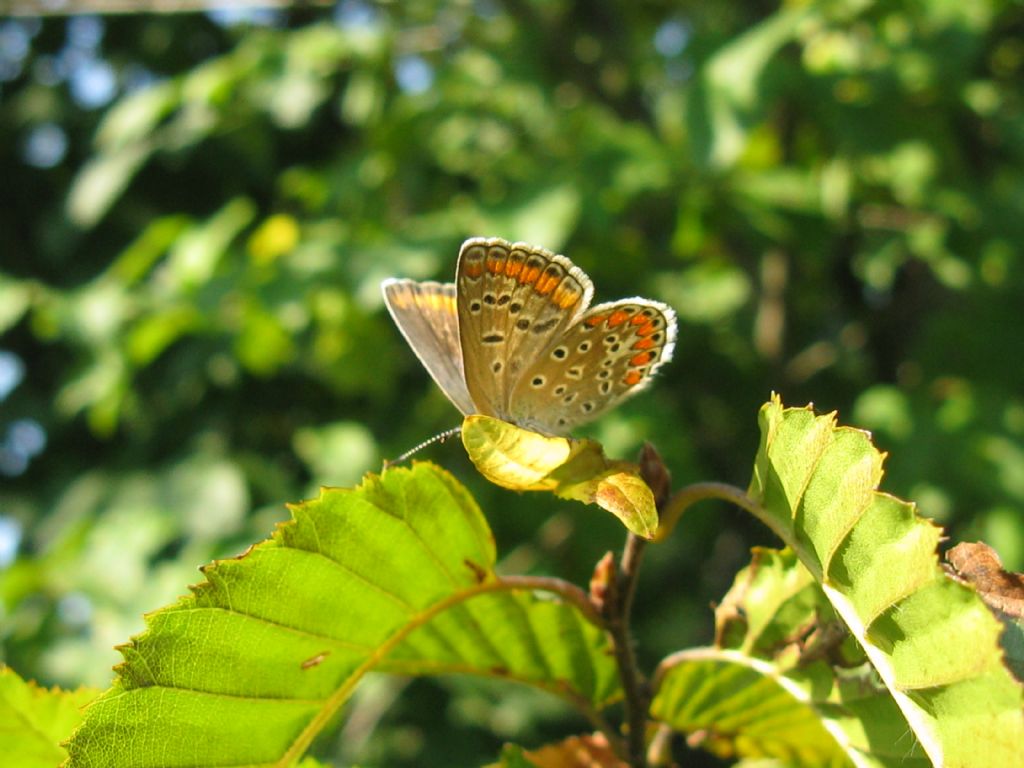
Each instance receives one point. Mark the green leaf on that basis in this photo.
(933, 642)
(772, 604)
(34, 721)
(195, 255)
(724, 100)
(135, 117)
(15, 299)
(522, 460)
(102, 180)
(979, 565)
(394, 575)
(739, 706)
(156, 331)
(136, 261)
(743, 708)
(759, 694)
(514, 636)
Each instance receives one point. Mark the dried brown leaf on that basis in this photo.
(979, 565)
(577, 752)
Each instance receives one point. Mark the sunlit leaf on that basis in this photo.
(134, 118)
(573, 469)
(741, 708)
(933, 642)
(102, 180)
(157, 331)
(396, 575)
(1003, 592)
(764, 691)
(772, 605)
(195, 255)
(34, 721)
(136, 261)
(14, 300)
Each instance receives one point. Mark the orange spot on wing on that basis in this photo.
(529, 276)
(565, 296)
(644, 344)
(474, 269)
(633, 378)
(495, 262)
(642, 359)
(646, 330)
(547, 284)
(618, 317)
(639, 319)
(595, 320)
(513, 267)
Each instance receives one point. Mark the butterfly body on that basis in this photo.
(515, 337)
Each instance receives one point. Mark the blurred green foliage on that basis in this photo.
(197, 211)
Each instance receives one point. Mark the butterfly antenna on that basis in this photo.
(439, 438)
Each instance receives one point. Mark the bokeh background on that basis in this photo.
(197, 208)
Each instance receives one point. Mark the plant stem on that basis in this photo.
(684, 498)
(633, 685)
(629, 568)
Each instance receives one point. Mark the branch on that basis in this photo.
(633, 684)
(691, 494)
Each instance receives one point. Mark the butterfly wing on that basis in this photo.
(609, 354)
(513, 300)
(425, 314)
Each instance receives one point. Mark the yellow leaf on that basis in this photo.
(522, 460)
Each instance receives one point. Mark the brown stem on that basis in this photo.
(618, 613)
(684, 498)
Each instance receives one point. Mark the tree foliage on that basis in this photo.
(198, 210)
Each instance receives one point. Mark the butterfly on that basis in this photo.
(515, 338)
